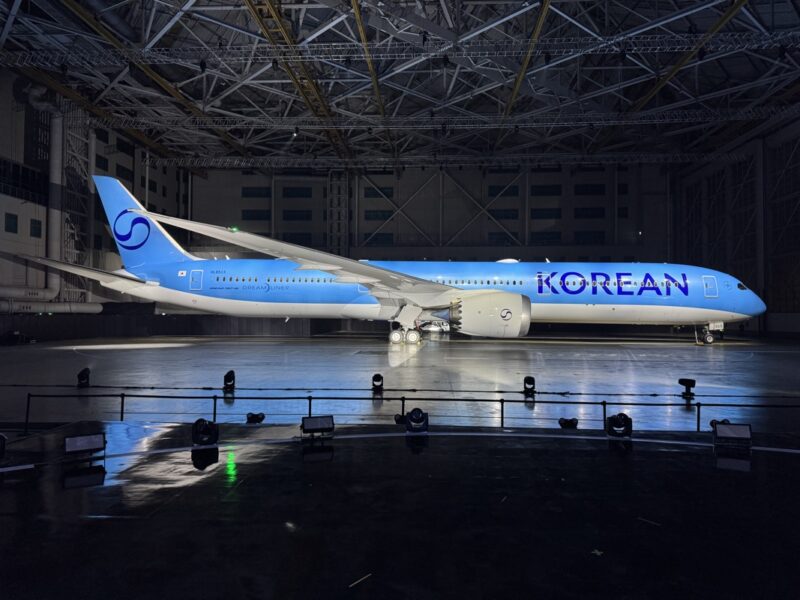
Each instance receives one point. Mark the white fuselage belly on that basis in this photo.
(541, 313)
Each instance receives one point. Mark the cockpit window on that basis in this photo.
(741, 286)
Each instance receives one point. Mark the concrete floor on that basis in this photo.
(644, 370)
(458, 515)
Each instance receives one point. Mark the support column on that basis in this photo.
(56, 189)
(761, 224)
(91, 203)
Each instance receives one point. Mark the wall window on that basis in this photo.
(256, 214)
(124, 173)
(504, 213)
(296, 215)
(545, 238)
(101, 135)
(590, 189)
(36, 228)
(622, 212)
(256, 192)
(297, 191)
(101, 162)
(590, 212)
(379, 239)
(502, 191)
(125, 147)
(545, 213)
(12, 223)
(546, 189)
(501, 238)
(302, 238)
(590, 237)
(381, 192)
(377, 215)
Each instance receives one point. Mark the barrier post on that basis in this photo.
(502, 413)
(699, 404)
(604, 414)
(122, 406)
(309, 406)
(214, 418)
(27, 412)
(403, 405)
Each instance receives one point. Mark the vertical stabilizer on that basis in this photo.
(141, 241)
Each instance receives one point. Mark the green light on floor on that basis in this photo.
(233, 228)
(230, 468)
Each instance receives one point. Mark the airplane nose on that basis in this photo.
(759, 308)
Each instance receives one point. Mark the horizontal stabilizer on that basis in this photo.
(104, 277)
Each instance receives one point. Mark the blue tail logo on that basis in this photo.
(141, 241)
(123, 239)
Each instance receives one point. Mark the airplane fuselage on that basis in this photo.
(632, 293)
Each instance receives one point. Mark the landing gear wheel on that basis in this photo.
(396, 336)
(708, 338)
(413, 336)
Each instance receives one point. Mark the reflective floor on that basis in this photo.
(458, 514)
(572, 370)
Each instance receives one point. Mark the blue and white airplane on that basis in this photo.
(488, 299)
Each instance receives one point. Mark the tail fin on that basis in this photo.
(140, 240)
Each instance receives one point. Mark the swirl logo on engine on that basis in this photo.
(505, 314)
(124, 239)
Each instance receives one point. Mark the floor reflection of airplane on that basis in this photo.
(490, 299)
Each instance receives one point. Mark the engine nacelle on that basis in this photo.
(492, 314)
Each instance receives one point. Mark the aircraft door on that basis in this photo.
(196, 280)
(710, 286)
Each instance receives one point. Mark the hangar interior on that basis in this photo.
(163, 458)
(463, 130)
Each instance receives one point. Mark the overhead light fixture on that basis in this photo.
(83, 377)
(296, 132)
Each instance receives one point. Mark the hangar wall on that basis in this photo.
(744, 218)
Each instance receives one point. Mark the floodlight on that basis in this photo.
(416, 421)
(204, 458)
(688, 386)
(83, 377)
(254, 418)
(229, 381)
(205, 433)
(620, 425)
(568, 423)
(529, 386)
(377, 384)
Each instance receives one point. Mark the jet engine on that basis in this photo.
(491, 314)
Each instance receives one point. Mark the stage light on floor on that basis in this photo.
(568, 423)
(688, 386)
(318, 425)
(201, 459)
(416, 421)
(205, 433)
(529, 386)
(83, 377)
(377, 384)
(255, 418)
(731, 438)
(229, 381)
(619, 426)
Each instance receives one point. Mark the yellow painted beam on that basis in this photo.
(535, 34)
(684, 60)
(89, 19)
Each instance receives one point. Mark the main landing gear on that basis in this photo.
(409, 336)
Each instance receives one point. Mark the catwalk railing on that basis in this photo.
(494, 409)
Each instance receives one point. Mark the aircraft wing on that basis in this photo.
(346, 270)
(113, 280)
